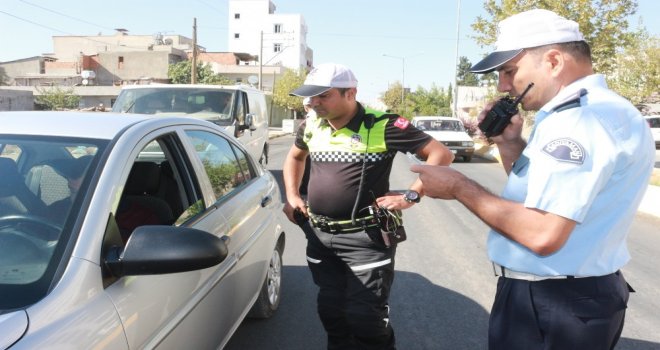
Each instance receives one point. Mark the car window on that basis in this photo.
(225, 170)
(157, 191)
(43, 181)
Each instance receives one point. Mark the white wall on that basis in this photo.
(257, 16)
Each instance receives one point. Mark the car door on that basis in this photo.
(193, 309)
(243, 198)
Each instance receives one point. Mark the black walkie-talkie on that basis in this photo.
(500, 115)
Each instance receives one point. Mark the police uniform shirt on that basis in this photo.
(337, 155)
(589, 159)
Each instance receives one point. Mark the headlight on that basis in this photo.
(467, 143)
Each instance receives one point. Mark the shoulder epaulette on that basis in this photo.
(571, 101)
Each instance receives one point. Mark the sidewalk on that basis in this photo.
(650, 203)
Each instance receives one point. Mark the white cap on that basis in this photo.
(524, 30)
(325, 77)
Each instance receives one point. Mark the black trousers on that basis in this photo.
(578, 313)
(354, 273)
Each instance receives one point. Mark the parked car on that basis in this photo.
(654, 123)
(449, 131)
(132, 232)
(240, 109)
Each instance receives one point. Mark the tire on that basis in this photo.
(467, 159)
(270, 293)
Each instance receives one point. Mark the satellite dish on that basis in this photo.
(253, 79)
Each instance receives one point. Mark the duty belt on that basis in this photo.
(330, 225)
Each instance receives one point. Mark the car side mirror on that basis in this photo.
(160, 249)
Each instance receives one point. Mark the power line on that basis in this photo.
(64, 15)
(35, 23)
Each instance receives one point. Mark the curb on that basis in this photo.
(650, 202)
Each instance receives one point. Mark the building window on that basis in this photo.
(277, 47)
(277, 28)
(237, 16)
(120, 62)
(236, 35)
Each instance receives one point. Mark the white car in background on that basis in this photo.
(450, 132)
(240, 109)
(654, 124)
(132, 232)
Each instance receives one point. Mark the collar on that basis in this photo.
(354, 124)
(570, 92)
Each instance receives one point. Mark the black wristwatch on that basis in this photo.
(411, 196)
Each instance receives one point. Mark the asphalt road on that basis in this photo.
(444, 283)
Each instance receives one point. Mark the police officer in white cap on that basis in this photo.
(559, 229)
(352, 149)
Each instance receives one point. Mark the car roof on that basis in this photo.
(98, 125)
(190, 86)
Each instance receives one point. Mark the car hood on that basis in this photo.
(13, 325)
(449, 135)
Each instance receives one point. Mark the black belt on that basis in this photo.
(330, 225)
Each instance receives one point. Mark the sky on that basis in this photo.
(361, 34)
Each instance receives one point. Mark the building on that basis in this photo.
(255, 28)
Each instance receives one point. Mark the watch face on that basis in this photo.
(412, 196)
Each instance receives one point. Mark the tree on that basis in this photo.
(181, 72)
(289, 81)
(604, 23)
(434, 101)
(463, 74)
(3, 77)
(637, 68)
(56, 98)
(392, 98)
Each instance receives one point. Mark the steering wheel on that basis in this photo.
(53, 229)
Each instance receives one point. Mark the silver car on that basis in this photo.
(131, 232)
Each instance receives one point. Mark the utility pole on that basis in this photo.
(458, 27)
(193, 72)
(261, 57)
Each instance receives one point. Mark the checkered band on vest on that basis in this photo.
(348, 157)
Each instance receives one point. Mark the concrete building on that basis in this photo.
(281, 39)
(13, 100)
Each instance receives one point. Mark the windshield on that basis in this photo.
(440, 125)
(213, 105)
(42, 182)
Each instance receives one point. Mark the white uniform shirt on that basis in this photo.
(588, 162)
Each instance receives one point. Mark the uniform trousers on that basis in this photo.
(573, 313)
(354, 273)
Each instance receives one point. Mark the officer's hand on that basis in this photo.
(393, 201)
(438, 181)
(291, 205)
(512, 131)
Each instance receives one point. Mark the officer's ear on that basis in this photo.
(351, 93)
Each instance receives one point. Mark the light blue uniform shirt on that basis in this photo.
(590, 163)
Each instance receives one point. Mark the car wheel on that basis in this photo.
(263, 160)
(467, 159)
(270, 294)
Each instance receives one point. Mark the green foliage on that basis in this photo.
(181, 73)
(3, 77)
(637, 68)
(604, 23)
(56, 98)
(430, 102)
(463, 74)
(435, 101)
(289, 81)
(392, 98)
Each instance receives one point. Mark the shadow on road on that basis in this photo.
(424, 316)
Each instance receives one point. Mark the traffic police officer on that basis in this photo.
(352, 150)
(559, 231)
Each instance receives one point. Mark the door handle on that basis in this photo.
(266, 200)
